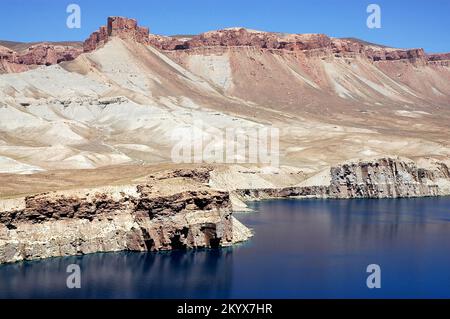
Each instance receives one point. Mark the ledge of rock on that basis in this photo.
(35, 55)
(121, 27)
(378, 178)
(125, 28)
(163, 213)
(310, 44)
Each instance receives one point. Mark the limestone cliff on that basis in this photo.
(163, 214)
(12, 61)
(378, 178)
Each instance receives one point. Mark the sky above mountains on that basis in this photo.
(404, 24)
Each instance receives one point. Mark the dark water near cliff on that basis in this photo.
(302, 249)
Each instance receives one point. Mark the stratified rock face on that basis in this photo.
(243, 37)
(376, 53)
(317, 44)
(121, 27)
(39, 54)
(96, 39)
(126, 28)
(44, 54)
(380, 178)
(136, 218)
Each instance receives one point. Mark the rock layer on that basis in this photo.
(142, 217)
(380, 178)
(315, 44)
(35, 55)
(126, 28)
(121, 27)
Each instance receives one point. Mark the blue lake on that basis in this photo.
(301, 249)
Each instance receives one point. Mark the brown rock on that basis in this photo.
(39, 54)
(133, 217)
(379, 178)
(121, 27)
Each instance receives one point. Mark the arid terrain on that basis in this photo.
(118, 103)
(102, 114)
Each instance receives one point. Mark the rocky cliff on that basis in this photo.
(379, 178)
(12, 61)
(121, 27)
(34, 55)
(126, 28)
(175, 209)
(383, 178)
(311, 44)
(162, 214)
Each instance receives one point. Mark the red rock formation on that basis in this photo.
(440, 59)
(123, 28)
(96, 39)
(291, 42)
(244, 37)
(39, 54)
(47, 54)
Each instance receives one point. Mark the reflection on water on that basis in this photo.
(301, 249)
(123, 275)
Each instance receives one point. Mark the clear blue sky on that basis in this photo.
(405, 24)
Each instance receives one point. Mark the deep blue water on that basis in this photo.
(301, 249)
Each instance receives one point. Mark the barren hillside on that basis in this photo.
(119, 101)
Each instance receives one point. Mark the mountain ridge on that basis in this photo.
(19, 57)
(119, 103)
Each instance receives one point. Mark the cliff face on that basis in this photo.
(34, 55)
(142, 217)
(123, 28)
(126, 28)
(12, 61)
(316, 44)
(381, 178)
(176, 210)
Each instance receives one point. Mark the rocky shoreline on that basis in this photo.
(162, 214)
(178, 209)
(379, 178)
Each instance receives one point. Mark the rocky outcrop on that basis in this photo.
(380, 178)
(439, 59)
(50, 54)
(121, 27)
(126, 28)
(35, 55)
(244, 37)
(287, 192)
(96, 39)
(347, 47)
(306, 43)
(47, 54)
(143, 217)
(383, 178)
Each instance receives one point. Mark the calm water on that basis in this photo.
(302, 249)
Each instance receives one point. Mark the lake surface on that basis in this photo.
(301, 249)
